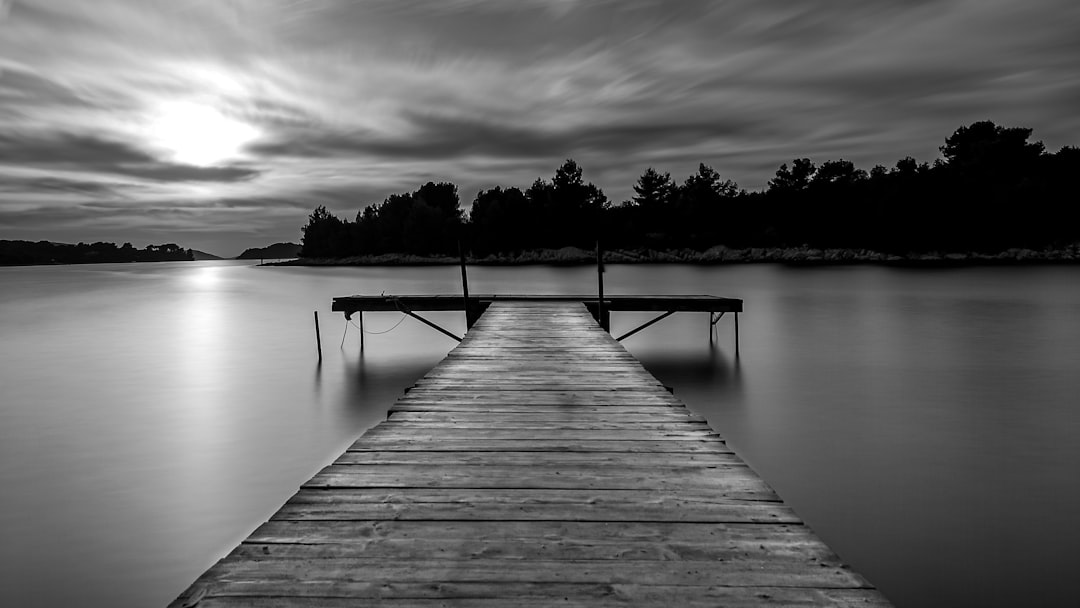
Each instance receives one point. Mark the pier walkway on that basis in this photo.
(538, 464)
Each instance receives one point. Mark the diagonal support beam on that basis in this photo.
(644, 325)
(430, 324)
(405, 309)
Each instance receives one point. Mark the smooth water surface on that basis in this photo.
(925, 423)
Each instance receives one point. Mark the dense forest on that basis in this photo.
(992, 189)
(14, 253)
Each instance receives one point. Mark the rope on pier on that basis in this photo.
(349, 322)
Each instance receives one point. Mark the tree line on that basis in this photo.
(14, 253)
(992, 189)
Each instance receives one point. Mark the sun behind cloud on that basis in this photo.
(198, 134)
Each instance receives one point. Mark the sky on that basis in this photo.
(220, 124)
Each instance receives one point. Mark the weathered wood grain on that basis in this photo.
(461, 395)
(616, 416)
(734, 539)
(502, 505)
(509, 423)
(707, 445)
(529, 595)
(597, 459)
(721, 477)
(537, 464)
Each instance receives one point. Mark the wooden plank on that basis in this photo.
(452, 396)
(733, 505)
(747, 573)
(597, 459)
(463, 406)
(541, 373)
(642, 303)
(513, 422)
(734, 539)
(634, 390)
(700, 445)
(537, 464)
(596, 506)
(726, 478)
(614, 384)
(537, 540)
(245, 594)
(498, 418)
(387, 432)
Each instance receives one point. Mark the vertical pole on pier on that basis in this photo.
(605, 320)
(318, 336)
(361, 331)
(736, 334)
(469, 320)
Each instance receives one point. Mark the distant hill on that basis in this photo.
(276, 251)
(202, 255)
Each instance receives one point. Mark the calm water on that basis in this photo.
(925, 423)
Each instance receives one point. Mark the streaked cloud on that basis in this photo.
(342, 102)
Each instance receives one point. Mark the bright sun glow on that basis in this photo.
(196, 134)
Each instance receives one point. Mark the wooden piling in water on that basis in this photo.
(602, 315)
(469, 309)
(736, 334)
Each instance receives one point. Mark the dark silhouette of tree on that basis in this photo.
(986, 148)
(652, 213)
(325, 236)
(704, 209)
(45, 252)
(425, 222)
(794, 179)
(653, 190)
(989, 171)
(501, 221)
(567, 209)
(432, 224)
(992, 189)
(842, 172)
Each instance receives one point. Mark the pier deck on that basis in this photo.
(678, 303)
(538, 464)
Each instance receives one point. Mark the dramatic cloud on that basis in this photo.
(229, 120)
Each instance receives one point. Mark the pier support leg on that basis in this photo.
(602, 315)
(318, 336)
(361, 331)
(713, 320)
(736, 334)
(470, 312)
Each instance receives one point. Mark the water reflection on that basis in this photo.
(397, 351)
(712, 371)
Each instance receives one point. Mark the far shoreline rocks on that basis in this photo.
(794, 256)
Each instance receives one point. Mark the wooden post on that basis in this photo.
(736, 334)
(318, 336)
(361, 331)
(469, 320)
(600, 316)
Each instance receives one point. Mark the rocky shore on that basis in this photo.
(804, 256)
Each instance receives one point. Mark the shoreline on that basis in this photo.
(792, 256)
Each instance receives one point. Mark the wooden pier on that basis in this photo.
(538, 464)
(600, 307)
